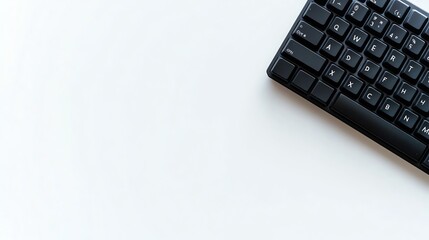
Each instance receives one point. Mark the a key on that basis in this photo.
(331, 49)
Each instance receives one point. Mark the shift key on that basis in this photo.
(309, 59)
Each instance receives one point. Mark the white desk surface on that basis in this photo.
(155, 120)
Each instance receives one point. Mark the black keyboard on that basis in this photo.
(366, 63)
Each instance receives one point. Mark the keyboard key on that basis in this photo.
(357, 13)
(425, 33)
(322, 93)
(377, 24)
(303, 81)
(379, 129)
(406, 93)
(339, 28)
(424, 82)
(425, 58)
(412, 71)
(416, 21)
(334, 74)
(422, 104)
(369, 71)
(389, 108)
(305, 56)
(317, 15)
(423, 131)
(395, 60)
(408, 119)
(309, 35)
(371, 97)
(338, 6)
(387, 82)
(351, 60)
(398, 10)
(414, 47)
(332, 49)
(425, 163)
(396, 35)
(352, 86)
(283, 69)
(378, 5)
(321, 2)
(358, 39)
(376, 49)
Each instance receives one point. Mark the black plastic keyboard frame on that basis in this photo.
(327, 108)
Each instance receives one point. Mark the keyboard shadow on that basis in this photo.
(409, 169)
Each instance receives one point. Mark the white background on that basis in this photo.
(131, 119)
